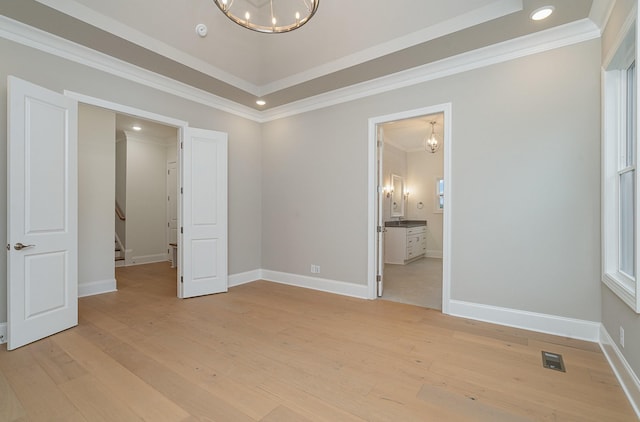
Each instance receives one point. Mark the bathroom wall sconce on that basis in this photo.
(406, 194)
(388, 191)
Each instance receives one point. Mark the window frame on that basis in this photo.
(616, 126)
(439, 195)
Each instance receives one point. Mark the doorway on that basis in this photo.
(53, 206)
(410, 208)
(146, 201)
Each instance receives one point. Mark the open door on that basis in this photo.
(42, 248)
(203, 241)
(380, 217)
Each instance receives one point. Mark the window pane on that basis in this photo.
(629, 148)
(627, 223)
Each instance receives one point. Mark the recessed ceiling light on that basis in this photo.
(261, 102)
(136, 128)
(542, 13)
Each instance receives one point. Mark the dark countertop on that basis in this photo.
(405, 223)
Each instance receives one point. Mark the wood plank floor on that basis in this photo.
(269, 352)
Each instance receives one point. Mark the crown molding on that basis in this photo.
(561, 36)
(90, 16)
(601, 12)
(494, 10)
(60, 47)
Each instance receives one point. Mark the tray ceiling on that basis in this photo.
(346, 43)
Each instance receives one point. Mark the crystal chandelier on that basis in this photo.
(431, 143)
(269, 16)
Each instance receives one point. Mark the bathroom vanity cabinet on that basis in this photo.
(404, 243)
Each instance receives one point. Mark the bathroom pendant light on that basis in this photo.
(431, 143)
(269, 16)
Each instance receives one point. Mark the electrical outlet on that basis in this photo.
(315, 269)
(621, 337)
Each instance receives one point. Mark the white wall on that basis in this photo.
(526, 212)
(146, 199)
(96, 190)
(244, 141)
(616, 313)
(423, 168)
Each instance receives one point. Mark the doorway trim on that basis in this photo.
(446, 109)
(181, 125)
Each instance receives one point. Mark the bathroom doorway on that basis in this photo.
(412, 219)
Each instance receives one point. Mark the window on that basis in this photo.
(439, 194)
(620, 196)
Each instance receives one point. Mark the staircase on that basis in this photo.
(119, 254)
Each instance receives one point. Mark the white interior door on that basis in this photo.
(380, 223)
(203, 241)
(42, 255)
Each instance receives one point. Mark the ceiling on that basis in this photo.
(346, 42)
(408, 134)
(151, 131)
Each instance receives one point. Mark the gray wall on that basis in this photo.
(146, 224)
(616, 313)
(121, 188)
(244, 140)
(96, 190)
(526, 177)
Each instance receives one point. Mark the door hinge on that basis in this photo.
(181, 145)
(168, 198)
(168, 224)
(379, 229)
(379, 278)
(181, 190)
(181, 279)
(181, 230)
(168, 171)
(8, 247)
(379, 143)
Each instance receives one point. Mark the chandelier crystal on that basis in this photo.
(269, 16)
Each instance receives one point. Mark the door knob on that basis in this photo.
(19, 246)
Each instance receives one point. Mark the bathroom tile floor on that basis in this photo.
(417, 283)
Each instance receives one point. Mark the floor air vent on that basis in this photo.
(552, 361)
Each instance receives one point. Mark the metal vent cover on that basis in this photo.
(553, 361)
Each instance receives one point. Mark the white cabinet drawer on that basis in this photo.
(416, 230)
(403, 244)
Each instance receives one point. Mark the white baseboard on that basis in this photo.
(244, 278)
(96, 287)
(3, 332)
(628, 379)
(533, 321)
(314, 283)
(434, 254)
(146, 259)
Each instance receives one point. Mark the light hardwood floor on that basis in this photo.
(269, 352)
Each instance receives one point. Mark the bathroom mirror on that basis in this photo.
(397, 196)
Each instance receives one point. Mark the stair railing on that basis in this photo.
(119, 212)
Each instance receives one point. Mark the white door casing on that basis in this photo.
(42, 284)
(203, 241)
(380, 219)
